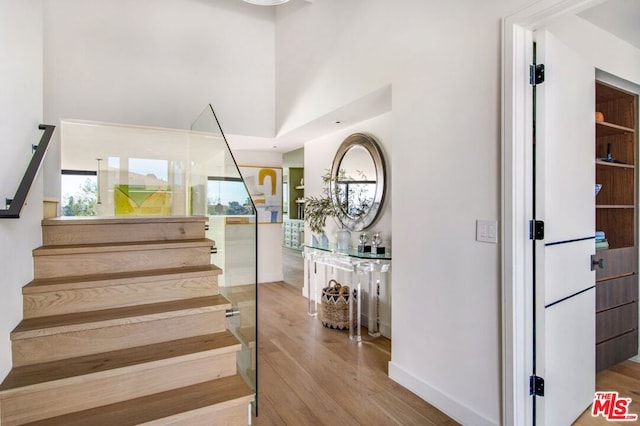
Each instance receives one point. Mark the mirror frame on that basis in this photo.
(372, 147)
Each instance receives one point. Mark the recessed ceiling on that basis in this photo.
(618, 17)
(372, 105)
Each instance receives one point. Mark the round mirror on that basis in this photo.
(358, 182)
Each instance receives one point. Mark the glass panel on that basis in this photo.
(233, 226)
(143, 171)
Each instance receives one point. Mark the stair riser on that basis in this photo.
(122, 386)
(88, 299)
(53, 266)
(118, 233)
(230, 413)
(72, 344)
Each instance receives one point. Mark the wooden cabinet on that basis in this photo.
(616, 215)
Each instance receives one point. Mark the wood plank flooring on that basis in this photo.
(624, 378)
(311, 375)
(293, 267)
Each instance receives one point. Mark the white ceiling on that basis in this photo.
(369, 106)
(619, 17)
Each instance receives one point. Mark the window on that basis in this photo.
(79, 193)
(227, 197)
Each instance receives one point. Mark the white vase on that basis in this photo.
(344, 239)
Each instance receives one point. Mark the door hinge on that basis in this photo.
(536, 230)
(536, 385)
(536, 74)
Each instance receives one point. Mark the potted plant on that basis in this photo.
(318, 209)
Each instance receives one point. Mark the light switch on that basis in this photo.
(487, 231)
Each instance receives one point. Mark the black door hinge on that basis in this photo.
(536, 230)
(536, 74)
(536, 385)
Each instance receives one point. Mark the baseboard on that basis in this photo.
(445, 403)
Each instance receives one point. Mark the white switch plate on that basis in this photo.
(487, 231)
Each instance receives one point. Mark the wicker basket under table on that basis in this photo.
(335, 306)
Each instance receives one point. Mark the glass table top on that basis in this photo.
(352, 252)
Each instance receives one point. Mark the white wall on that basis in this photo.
(605, 51)
(158, 63)
(20, 115)
(319, 155)
(442, 60)
(269, 234)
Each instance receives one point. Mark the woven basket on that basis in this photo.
(335, 306)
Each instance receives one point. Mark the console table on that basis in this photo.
(357, 265)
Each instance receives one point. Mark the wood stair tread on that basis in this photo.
(43, 285)
(121, 247)
(247, 335)
(34, 327)
(78, 368)
(94, 220)
(158, 406)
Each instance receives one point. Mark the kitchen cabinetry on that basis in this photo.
(293, 233)
(616, 258)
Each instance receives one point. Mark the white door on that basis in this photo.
(564, 199)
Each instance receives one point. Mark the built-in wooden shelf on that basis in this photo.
(604, 128)
(616, 274)
(611, 164)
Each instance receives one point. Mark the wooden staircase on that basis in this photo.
(124, 325)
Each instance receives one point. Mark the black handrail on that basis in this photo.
(15, 205)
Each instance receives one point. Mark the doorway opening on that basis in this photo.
(517, 176)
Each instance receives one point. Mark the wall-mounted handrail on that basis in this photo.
(15, 206)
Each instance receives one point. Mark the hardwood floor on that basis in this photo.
(293, 267)
(624, 378)
(312, 375)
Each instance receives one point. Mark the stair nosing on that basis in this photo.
(183, 415)
(101, 220)
(59, 250)
(45, 285)
(131, 366)
(120, 317)
(172, 403)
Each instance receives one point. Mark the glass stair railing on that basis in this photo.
(134, 171)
